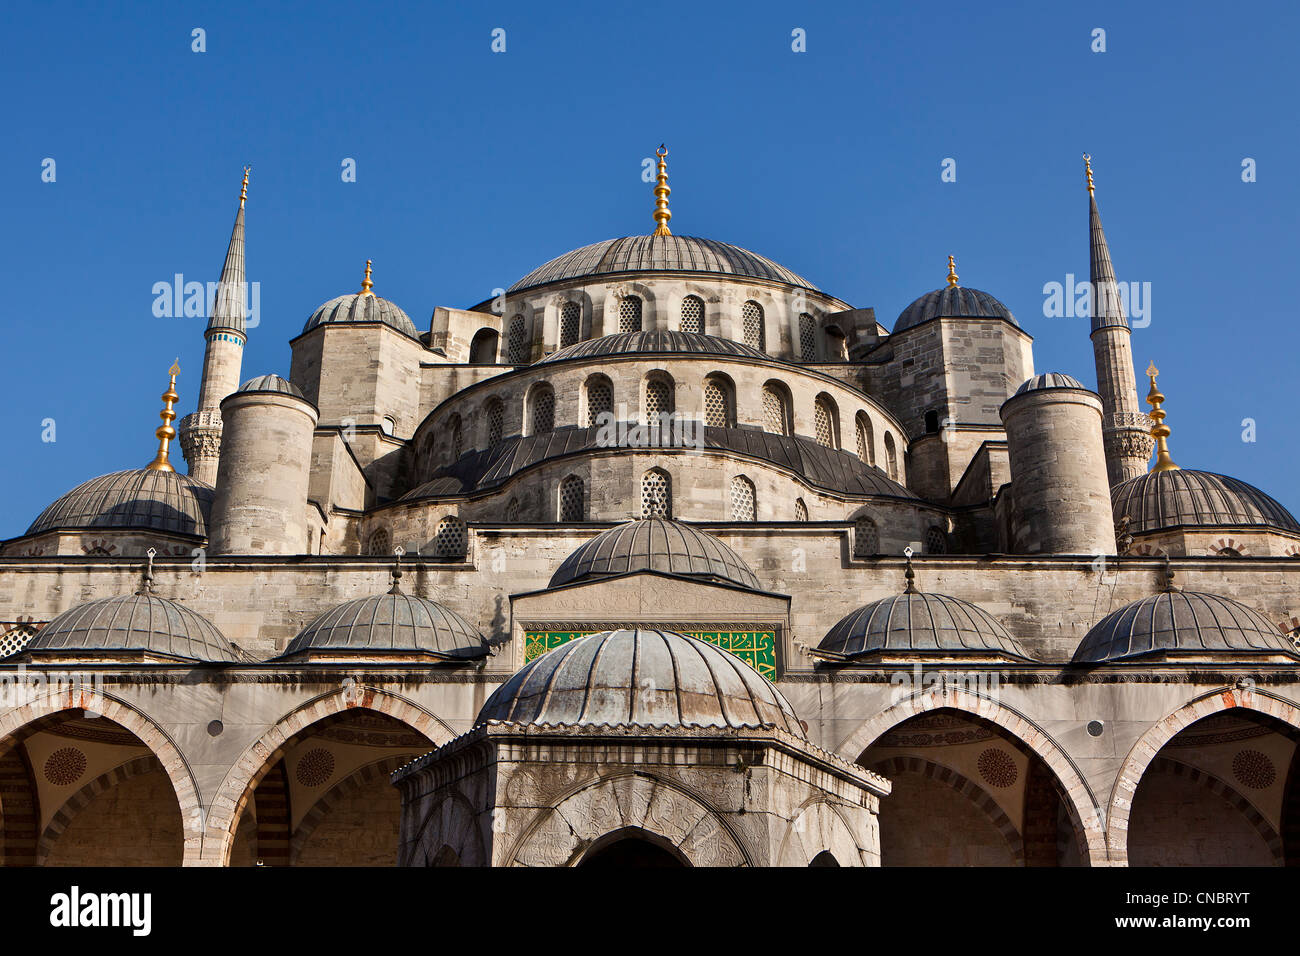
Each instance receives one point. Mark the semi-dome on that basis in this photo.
(272, 383)
(138, 499)
(690, 343)
(916, 622)
(641, 678)
(137, 624)
(1195, 499)
(953, 302)
(362, 307)
(1049, 380)
(655, 544)
(390, 624)
(1182, 622)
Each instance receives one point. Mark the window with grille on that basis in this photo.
(824, 423)
(379, 542)
(656, 494)
(457, 438)
(600, 400)
(496, 415)
(450, 540)
(800, 510)
(629, 314)
(751, 315)
(866, 538)
(543, 417)
(692, 314)
(742, 499)
(807, 337)
(512, 510)
(658, 399)
(774, 411)
(717, 404)
(571, 499)
(14, 637)
(518, 343)
(570, 319)
(936, 542)
(866, 441)
(891, 457)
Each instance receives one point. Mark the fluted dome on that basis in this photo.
(138, 499)
(1195, 499)
(1049, 380)
(912, 622)
(953, 302)
(362, 307)
(135, 624)
(1182, 622)
(640, 678)
(659, 254)
(388, 624)
(272, 383)
(690, 343)
(655, 544)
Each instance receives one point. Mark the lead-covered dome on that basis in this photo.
(390, 624)
(688, 343)
(920, 623)
(1195, 499)
(1049, 380)
(272, 383)
(1182, 623)
(655, 544)
(640, 678)
(953, 302)
(362, 307)
(138, 500)
(135, 625)
(659, 254)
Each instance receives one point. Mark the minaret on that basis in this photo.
(1125, 430)
(200, 432)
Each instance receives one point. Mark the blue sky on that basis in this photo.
(473, 167)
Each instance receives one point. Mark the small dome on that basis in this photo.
(272, 383)
(391, 624)
(914, 622)
(362, 307)
(1187, 622)
(659, 254)
(655, 544)
(139, 500)
(1195, 499)
(690, 343)
(641, 679)
(953, 302)
(1049, 380)
(137, 623)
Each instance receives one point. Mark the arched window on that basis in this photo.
(450, 539)
(512, 510)
(541, 411)
(936, 542)
(807, 337)
(518, 341)
(751, 319)
(656, 494)
(891, 457)
(825, 424)
(495, 413)
(866, 537)
(836, 347)
(380, 542)
(600, 400)
(572, 499)
(743, 505)
(658, 397)
(483, 347)
(629, 314)
(455, 437)
(719, 403)
(570, 323)
(387, 425)
(800, 510)
(692, 314)
(866, 440)
(776, 410)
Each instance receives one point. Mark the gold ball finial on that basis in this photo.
(366, 284)
(1087, 166)
(1159, 430)
(243, 190)
(662, 214)
(952, 273)
(165, 433)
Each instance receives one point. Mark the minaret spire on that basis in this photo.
(1125, 429)
(662, 215)
(226, 333)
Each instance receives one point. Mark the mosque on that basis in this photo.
(664, 556)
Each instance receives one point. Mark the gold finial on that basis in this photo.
(165, 432)
(1159, 431)
(909, 574)
(366, 284)
(397, 570)
(952, 273)
(243, 190)
(662, 215)
(1087, 165)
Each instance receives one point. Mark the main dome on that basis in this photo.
(136, 499)
(1198, 499)
(655, 544)
(642, 679)
(953, 302)
(690, 343)
(660, 254)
